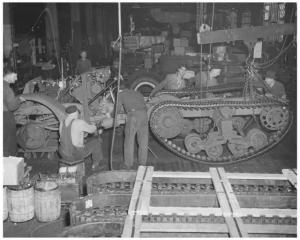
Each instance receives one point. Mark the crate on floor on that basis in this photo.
(99, 207)
(165, 204)
(71, 181)
(204, 204)
(271, 208)
(120, 181)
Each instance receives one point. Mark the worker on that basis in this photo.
(206, 79)
(274, 87)
(174, 81)
(73, 146)
(136, 125)
(10, 104)
(83, 64)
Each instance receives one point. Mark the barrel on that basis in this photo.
(5, 211)
(20, 203)
(47, 201)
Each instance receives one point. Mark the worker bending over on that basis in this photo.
(276, 88)
(136, 125)
(174, 81)
(73, 147)
(206, 79)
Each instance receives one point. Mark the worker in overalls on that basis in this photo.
(136, 125)
(10, 104)
(73, 148)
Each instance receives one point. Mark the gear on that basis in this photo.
(257, 138)
(193, 143)
(274, 118)
(168, 122)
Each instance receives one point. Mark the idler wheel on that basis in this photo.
(168, 122)
(214, 151)
(237, 149)
(274, 118)
(193, 143)
(257, 138)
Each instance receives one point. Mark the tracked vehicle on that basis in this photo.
(221, 124)
(226, 123)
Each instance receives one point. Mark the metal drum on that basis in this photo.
(5, 210)
(47, 201)
(20, 203)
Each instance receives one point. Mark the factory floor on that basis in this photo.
(284, 155)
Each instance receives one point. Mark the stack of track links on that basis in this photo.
(150, 203)
(212, 204)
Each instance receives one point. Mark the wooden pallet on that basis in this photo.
(238, 212)
(228, 207)
(140, 206)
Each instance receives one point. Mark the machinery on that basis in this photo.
(38, 118)
(226, 123)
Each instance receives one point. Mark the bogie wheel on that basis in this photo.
(193, 143)
(237, 149)
(257, 138)
(144, 85)
(214, 151)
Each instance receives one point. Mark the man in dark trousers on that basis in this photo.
(10, 104)
(73, 148)
(136, 125)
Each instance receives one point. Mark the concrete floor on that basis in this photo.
(284, 155)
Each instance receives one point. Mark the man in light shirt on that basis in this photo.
(73, 147)
(174, 81)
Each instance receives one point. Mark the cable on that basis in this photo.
(33, 26)
(212, 26)
(53, 36)
(118, 87)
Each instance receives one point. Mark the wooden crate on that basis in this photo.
(92, 208)
(72, 187)
(148, 210)
(141, 207)
(280, 208)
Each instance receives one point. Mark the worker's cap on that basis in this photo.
(71, 109)
(271, 74)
